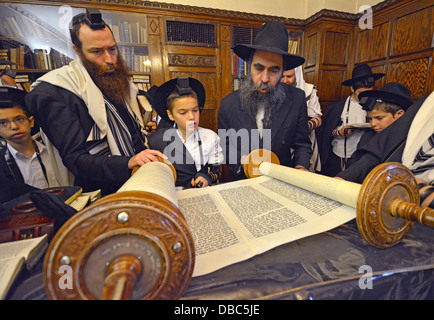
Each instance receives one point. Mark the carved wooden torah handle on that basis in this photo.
(388, 205)
(411, 211)
(133, 244)
(122, 276)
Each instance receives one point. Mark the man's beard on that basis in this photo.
(252, 100)
(114, 85)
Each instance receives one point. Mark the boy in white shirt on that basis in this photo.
(195, 152)
(24, 162)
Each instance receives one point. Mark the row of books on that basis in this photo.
(129, 32)
(12, 28)
(293, 46)
(143, 82)
(239, 66)
(23, 82)
(25, 58)
(135, 60)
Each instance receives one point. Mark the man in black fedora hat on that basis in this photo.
(338, 137)
(265, 110)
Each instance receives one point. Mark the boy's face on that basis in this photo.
(380, 120)
(185, 113)
(14, 125)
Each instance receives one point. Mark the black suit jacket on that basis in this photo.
(65, 120)
(11, 180)
(330, 121)
(179, 156)
(288, 131)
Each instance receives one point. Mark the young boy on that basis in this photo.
(195, 152)
(24, 162)
(383, 108)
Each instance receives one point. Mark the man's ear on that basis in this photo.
(75, 49)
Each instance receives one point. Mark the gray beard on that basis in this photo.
(252, 100)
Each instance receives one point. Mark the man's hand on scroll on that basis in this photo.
(143, 157)
(300, 167)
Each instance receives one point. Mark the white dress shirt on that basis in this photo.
(351, 114)
(31, 169)
(210, 144)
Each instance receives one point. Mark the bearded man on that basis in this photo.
(89, 113)
(270, 112)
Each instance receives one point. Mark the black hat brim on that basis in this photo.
(390, 97)
(11, 96)
(244, 51)
(350, 82)
(159, 97)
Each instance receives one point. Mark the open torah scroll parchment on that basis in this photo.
(235, 221)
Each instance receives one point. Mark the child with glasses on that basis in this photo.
(24, 162)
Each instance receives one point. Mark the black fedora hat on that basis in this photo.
(361, 72)
(392, 92)
(11, 96)
(182, 85)
(272, 37)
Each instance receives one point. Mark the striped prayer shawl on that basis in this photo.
(424, 160)
(121, 135)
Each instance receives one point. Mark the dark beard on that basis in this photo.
(115, 85)
(252, 100)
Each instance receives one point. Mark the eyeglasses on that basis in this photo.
(20, 120)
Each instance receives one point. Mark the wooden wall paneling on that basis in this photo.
(416, 38)
(410, 60)
(225, 60)
(155, 48)
(311, 52)
(336, 47)
(411, 73)
(330, 42)
(400, 44)
(200, 63)
(331, 85)
(372, 44)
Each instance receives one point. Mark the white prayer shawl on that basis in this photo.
(75, 78)
(421, 129)
(313, 110)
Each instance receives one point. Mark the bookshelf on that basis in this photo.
(36, 39)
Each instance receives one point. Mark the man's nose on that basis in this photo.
(265, 78)
(109, 58)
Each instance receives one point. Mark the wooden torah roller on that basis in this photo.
(133, 244)
(387, 202)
